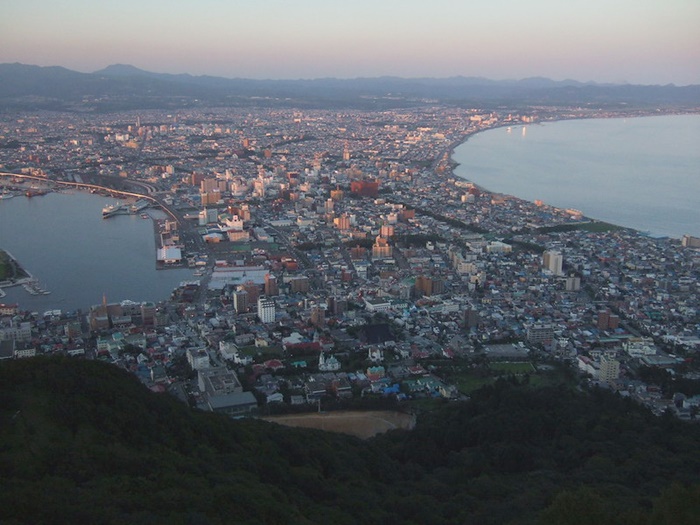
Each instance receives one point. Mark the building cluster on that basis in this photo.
(339, 255)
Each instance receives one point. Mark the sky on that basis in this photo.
(632, 41)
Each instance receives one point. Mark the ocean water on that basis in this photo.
(62, 240)
(642, 173)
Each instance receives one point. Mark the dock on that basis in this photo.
(33, 287)
(125, 209)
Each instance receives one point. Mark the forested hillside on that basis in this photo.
(85, 442)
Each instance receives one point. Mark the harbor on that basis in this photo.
(112, 210)
(81, 256)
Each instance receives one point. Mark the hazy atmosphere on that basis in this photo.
(634, 41)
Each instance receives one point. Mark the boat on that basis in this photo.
(112, 209)
(145, 216)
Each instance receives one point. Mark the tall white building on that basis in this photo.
(266, 310)
(609, 369)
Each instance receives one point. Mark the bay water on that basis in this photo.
(63, 241)
(641, 173)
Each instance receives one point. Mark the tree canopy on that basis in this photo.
(86, 442)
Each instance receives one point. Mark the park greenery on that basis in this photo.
(85, 442)
(9, 269)
(589, 226)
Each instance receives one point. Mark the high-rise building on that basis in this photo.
(471, 318)
(405, 215)
(271, 287)
(266, 310)
(299, 285)
(540, 333)
(342, 222)
(438, 286)
(196, 178)
(690, 241)
(423, 285)
(211, 197)
(240, 301)
(386, 231)
(148, 314)
(208, 185)
(573, 284)
(607, 320)
(358, 253)
(429, 286)
(613, 322)
(98, 318)
(553, 261)
(318, 316)
(337, 305)
(609, 369)
(381, 249)
(365, 188)
(73, 329)
(253, 290)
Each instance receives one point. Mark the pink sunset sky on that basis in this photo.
(635, 41)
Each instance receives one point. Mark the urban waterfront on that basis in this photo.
(642, 173)
(62, 240)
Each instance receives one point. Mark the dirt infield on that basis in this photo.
(363, 424)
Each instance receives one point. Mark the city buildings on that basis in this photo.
(449, 266)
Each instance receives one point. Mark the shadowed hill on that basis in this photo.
(82, 441)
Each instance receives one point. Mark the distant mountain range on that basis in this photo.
(122, 86)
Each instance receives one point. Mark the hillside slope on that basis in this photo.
(85, 442)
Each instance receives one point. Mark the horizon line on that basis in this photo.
(349, 78)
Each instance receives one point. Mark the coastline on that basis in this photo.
(455, 164)
(449, 153)
(14, 281)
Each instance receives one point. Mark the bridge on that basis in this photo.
(96, 187)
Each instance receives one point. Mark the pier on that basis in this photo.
(33, 287)
(125, 209)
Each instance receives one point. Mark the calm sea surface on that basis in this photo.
(643, 173)
(62, 240)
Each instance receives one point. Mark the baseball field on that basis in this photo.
(363, 424)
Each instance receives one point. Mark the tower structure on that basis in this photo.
(609, 369)
(240, 301)
(266, 310)
(271, 286)
(553, 261)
